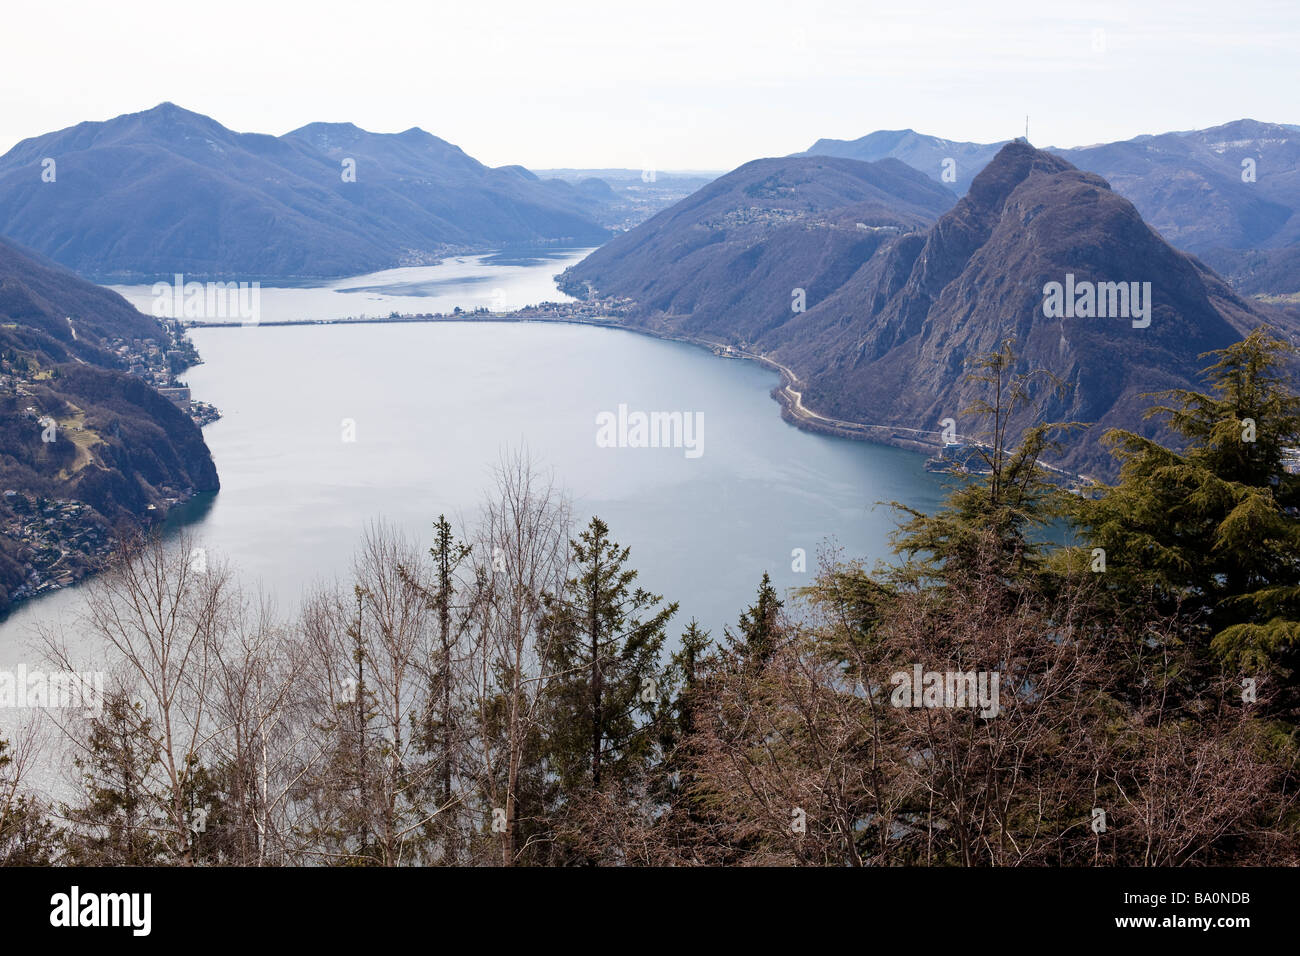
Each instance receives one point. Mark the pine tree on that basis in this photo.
(756, 637)
(992, 522)
(689, 668)
(688, 672)
(448, 554)
(1210, 531)
(121, 822)
(27, 837)
(438, 729)
(605, 635)
(211, 839)
(345, 786)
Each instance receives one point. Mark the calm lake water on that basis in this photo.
(501, 281)
(434, 405)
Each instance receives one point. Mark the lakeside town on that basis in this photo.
(161, 364)
(606, 311)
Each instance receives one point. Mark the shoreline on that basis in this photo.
(788, 394)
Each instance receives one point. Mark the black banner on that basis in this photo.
(337, 905)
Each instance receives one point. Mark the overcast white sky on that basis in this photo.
(667, 84)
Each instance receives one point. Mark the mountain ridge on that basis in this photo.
(168, 190)
(85, 445)
(890, 343)
(1192, 186)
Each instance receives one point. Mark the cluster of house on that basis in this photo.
(157, 365)
(58, 539)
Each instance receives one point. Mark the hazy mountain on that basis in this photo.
(119, 449)
(886, 337)
(624, 198)
(168, 190)
(727, 258)
(929, 154)
(1192, 187)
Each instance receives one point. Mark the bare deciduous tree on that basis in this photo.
(162, 607)
(521, 553)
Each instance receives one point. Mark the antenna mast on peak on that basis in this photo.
(1026, 127)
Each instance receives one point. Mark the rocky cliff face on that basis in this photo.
(1030, 219)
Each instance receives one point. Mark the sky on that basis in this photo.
(669, 84)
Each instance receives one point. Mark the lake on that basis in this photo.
(500, 281)
(430, 407)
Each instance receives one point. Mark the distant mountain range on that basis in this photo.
(902, 288)
(624, 198)
(83, 443)
(931, 155)
(167, 190)
(1230, 194)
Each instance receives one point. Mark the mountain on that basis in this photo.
(167, 190)
(1232, 187)
(929, 154)
(889, 342)
(726, 259)
(1230, 194)
(623, 198)
(84, 445)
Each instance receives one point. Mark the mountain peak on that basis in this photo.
(168, 112)
(330, 133)
(887, 138)
(1013, 164)
(1244, 128)
(519, 171)
(950, 162)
